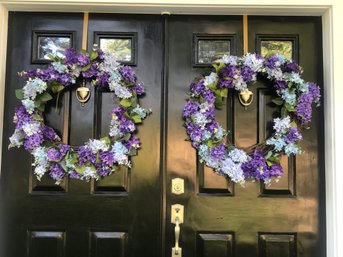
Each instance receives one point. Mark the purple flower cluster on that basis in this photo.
(305, 100)
(21, 116)
(128, 74)
(85, 155)
(258, 169)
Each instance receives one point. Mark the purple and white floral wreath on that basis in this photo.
(98, 157)
(294, 96)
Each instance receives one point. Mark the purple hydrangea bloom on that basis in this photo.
(280, 84)
(228, 71)
(194, 132)
(139, 89)
(209, 96)
(91, 72)
(292, 67)
(212, 126)
(304, 108)
(293, 136)
(107, 157)
(56, 172)
(225, 83)
(103, 79)
(64, 149)
(30, 73)
(271, 61)
(119, 112)
(126, 126)
(256, 168)
(218, 152)
(103, 171)
(48, 133)
(133, 142)
(190, 108)
(83, 59)
(54, 155)
(70, 56)
(33, 141)
(247, 73)
(21, 116)
(275, 170)
(128, 74)
(85, 154)
(101, 54)
(314, 90)
(74, 174)
(197, 88)
(63, 79)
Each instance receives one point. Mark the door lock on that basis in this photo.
(178, 186)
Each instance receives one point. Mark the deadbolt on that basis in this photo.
(178, 186)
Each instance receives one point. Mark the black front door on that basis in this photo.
(129, 213)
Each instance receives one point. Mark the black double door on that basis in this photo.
(129, 213)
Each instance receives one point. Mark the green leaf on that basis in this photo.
(211, 143)
(83, 51)
(284, 112)
(137, 118)
(278, 101)
(134, 101)
(218, 66)
(218, 103)
(41, 107)
(85, 68)
(45, 97)
(269, 154)
(106, 140)
(126, 137)
(19, 93)
(133, 152)
(224, 92)
(93, 56)
(125, 102)
(57, 88)
(289, 107)
(80, 169)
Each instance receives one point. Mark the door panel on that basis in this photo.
(105, 218)
(284, 219)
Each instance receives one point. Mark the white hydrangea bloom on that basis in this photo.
(40, 171)
(120, 91)
(96, 145)
(229, 59)
(275, 74)
(253, 63)
(16, 140)
(89, 173)
(34, 86)
(281, 126)
(31, 128)
(210, 79)
(240, 84)
(41, 156)
(29, 105)
(61, 68)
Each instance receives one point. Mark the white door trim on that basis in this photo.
(332, 17)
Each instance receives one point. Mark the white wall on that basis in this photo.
(332, 12)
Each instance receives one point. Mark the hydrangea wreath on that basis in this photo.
(98, 157)
(294, 96)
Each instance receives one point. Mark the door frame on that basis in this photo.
(331, 13)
